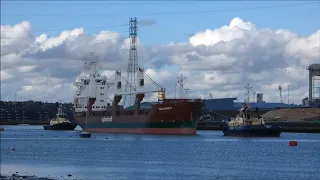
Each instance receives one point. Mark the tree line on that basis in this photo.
(29, 112)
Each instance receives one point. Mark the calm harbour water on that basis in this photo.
(208, 155)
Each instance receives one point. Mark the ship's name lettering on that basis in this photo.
(106, 119)
(165, 108)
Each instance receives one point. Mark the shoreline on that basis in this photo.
(293, 127)
(16, 176)
(23, 177)
(17, 124)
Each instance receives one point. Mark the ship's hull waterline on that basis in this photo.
(253, 131)
(183, 128)
(169, 131)
(177, 119)
(60, 126)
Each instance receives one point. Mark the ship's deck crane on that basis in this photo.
(161, 91)
(281, 99)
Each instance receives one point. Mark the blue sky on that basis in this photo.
(53, 17)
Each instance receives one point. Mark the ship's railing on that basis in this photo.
(131, 112)
(79, 106)
(182, 100)
(118, 113)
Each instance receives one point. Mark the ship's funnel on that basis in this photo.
(118, 80)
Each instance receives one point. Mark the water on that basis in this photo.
(209, 155)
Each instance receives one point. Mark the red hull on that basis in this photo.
(172, 131)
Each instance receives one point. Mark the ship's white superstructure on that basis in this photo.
(92, 85)
(60, 117)
(245, 118)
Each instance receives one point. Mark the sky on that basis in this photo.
(219, 46)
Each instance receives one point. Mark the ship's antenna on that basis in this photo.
(91, 64)
(132, 63)
(248, 88)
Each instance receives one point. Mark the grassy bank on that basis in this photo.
(301, 126)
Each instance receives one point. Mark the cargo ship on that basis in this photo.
(95, 112)
(248, 125)
(60, 122)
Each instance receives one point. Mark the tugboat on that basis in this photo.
(246, 125)
(60, 122)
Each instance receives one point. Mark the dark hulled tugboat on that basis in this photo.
(60, 122)
(246, 125)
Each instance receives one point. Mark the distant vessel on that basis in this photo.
(247, 125)
(85, 134)
(60, 122)
(169, 116)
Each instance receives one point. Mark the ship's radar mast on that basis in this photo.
(133, 66)
(248, 87)
(92, 63)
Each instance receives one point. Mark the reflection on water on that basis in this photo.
(209, 155)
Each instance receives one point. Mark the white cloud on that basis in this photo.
(219, 61)
(25, 69)
(237, 29)
(307, 49)
(5, 76)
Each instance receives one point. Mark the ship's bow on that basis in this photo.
(197, 107)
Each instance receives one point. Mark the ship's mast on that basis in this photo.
(248, 88)
(93, 75)
(181, 90)
(131, 83)
(60, 109)
(87, 117)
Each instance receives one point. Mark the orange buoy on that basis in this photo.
(293, 143)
